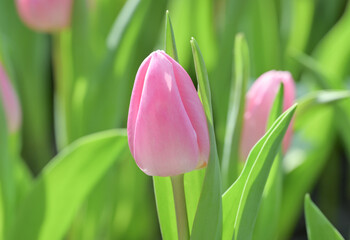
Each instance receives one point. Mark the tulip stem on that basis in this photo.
(180, 207)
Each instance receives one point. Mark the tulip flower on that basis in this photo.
(45, 15)
(167, 128)
(10, 102)
(259, 101)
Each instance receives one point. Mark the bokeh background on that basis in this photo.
(78, 81)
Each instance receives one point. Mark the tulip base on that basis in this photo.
(180, 207)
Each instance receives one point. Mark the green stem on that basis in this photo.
(180, 207)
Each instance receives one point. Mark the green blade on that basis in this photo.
(170, 46)
(318, 226)
(236, 109)
(208, 219)
(241, 201)
(267, 218)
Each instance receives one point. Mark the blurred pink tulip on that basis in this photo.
(10, 102)
(259, 101)
(167, 127)
(45, 15)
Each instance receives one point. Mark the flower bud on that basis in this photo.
(259, 101)
(45, 15)
(10, 102)
(167, 127)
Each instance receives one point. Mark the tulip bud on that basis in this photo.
(45, 15)
(10, 102)
(167, 127)
(259, 101)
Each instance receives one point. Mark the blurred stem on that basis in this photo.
(60, 111)
(180, 207)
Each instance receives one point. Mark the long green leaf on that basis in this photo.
(234, 121)
(208, 220)
(255, 184)
(242, 199)
(318, 226)
(170, 45)
(103, 78)
(64, 184)
(318, 99)
(234, 11)
(332, 53)
(300, 17)
(265, 38)
(165, 207)
(267, 219)
(193, 187)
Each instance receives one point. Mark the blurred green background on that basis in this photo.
(78, 81)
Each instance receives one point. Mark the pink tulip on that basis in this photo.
(10, 102)
(259, 101)
(167, 128)
(45, 15)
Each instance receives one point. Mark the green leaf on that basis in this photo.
(264, 38)
(103, 82)
(332, 53)
(314, 68)
(81, 51)
(241, 201)
(162, 185)
(318, 99)
(64, 184)
(234, 11)
(193, 187)
(267, 218)
(277, 107)
(318, 226)
(170, 46)
(108, 214)
(208, 219)
(132, 38)
(165, 207)
(299, 15)
(120, 26)
(230, 159)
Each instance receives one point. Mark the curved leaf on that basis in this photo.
(242, 199)
(207, 223)
(318, 226)
(63, 185)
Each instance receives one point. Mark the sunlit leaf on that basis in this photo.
(236, 109)
(64, 184)
(318, 226)
(208, 219)
(241, 201)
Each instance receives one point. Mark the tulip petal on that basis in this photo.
(164, 137)
(135, 101)
(10, 102)
(194, 109)
(45, 16)
(259, 101)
